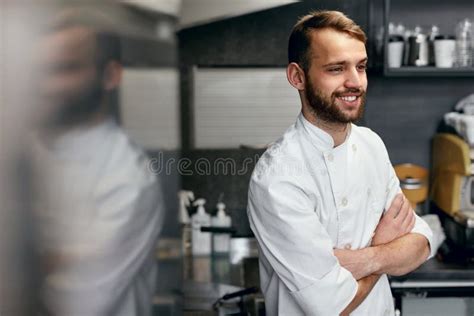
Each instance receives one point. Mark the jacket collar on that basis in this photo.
(318, 137)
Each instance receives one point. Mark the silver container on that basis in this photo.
(418, 50)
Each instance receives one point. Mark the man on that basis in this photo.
(98, 205)
(317, 195)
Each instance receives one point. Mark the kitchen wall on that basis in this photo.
(405, 112)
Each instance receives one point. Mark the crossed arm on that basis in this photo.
(394, 250)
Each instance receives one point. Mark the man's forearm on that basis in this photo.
(401, 255)
(397, 257)
(365, 285)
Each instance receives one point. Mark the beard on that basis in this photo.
(326, 108)
(77, 108)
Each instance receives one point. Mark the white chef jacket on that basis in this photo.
(306, 198)
(100, 209)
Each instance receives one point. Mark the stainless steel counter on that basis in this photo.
(434, 279)
(195, 283)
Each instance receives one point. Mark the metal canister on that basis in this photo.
(418, 50)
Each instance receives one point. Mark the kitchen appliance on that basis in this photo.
(452, 189)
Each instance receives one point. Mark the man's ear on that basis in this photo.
(295, 76)
(112, 75)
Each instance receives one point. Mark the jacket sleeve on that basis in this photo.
(297, 246)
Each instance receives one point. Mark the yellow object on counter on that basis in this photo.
(451, 163)
(413, 181)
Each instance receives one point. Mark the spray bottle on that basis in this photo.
(201, 241)
(185, 198)
(221, 241)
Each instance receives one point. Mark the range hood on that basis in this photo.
(170, 7)
(195, 12)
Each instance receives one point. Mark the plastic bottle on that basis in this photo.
(185, 198)
(201, 241)
(464, 49)
(221, 242)
(431, 55)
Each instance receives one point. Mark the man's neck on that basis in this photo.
(338, 131)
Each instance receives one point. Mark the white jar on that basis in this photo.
(395, 51)
(444, 50)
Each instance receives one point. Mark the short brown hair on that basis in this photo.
(299, 42)
(106, 38)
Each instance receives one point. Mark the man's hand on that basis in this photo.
(358, 262)
(399, 220)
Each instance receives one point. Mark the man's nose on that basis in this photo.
(353, 79)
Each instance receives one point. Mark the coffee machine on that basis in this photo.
(452, 190)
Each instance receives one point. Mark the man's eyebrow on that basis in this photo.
(335, 63)
(343, 62)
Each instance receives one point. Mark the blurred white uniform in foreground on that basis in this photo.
(99, 218)
(97, 203)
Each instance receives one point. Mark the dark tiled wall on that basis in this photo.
(225, 172)
(258, 38)
(406, 112)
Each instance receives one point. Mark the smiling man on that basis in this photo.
(324, 201)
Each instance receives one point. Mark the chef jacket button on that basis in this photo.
(354, 147)
(330, 157)
(347, 246)
(344, 201)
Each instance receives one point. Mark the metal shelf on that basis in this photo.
(406, 71)
(412, 71)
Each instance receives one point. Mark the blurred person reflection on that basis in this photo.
(20, 22)
(99, 207)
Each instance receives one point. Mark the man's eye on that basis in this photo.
(362, 67)
(335, 70)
